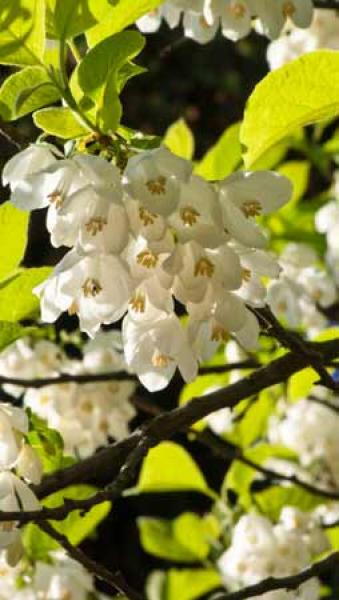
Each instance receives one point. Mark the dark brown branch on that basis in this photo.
(115, 580)
(331, 4)
(66, 378)
(164, 427)
(291, 582)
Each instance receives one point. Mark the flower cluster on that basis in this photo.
(60, 578)
(203, 18)
(144, 239)
(19, 466)
(85, 415)
(323, 33)
(260, 549)
(297, 427)
(327, 222)
(303, 289)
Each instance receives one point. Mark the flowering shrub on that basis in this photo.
(212, 281)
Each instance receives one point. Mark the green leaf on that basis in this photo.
(47, 442)
(181, 540)
(240, 477)
(13, 236)
(118, 17)
(16, 297)
(169, 467)
(302, 92)
(10, 332)
(75, 527)
(298, 172)
(300, 384)
(26, 91)
(22, 31)
(254, 423)
(59, 121)
(179, 139)
(182, 584)
(99, 78)
(200, 386)
(223, 158)
(272, 500)
(67, 19)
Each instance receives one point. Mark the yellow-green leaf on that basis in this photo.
(59, 121)
(22, 31)
(302, 92)
(179, 139)
(223, 158)
(13, 236)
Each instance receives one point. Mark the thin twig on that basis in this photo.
(115, 580)
(291, 582)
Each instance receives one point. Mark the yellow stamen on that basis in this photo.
(146, 216)
(95, 225)
(252, 208)
(219, 334)
(204, 267)
(147, 259)
(157, 186)
(137, 302)
(91, 287)
(189, 215)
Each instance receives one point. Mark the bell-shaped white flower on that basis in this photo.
(144, 223)
(15, 495)
(235, 16)
(198, 216)
(21, 172)
(283, 297)
(244, 195)
(197, 28)
(145, 257)
(29, 465)
(61, 578)
(154, 177)
(13, 425)
(194, 268)
(255, 265)
(96, 288)
(319, 286)
(155, 349)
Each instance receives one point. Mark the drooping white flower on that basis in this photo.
(155, 349)
(96, 288)
(244, 195)
(154, 177)
(198, 216)
(256, 264)
(235, 16)
(62, 578)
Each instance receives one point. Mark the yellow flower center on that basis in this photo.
(238, 10)
(157, 186)
(95, 225)
(56, 199)
(146, 216)
(91, 287)
(189, 215)
(204, 267)
(246, 274)
(219, 334)
(288, 9)
(138, 302)
(160, 361)
(147, 259)
(252, 208)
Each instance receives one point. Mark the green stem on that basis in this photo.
(75, 50)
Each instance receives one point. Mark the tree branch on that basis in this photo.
(115, 580)
(330, 4)
(291, 582)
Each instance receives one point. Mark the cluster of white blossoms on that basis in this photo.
(327, 222)
(203, 18)
(61, 578)
(85, 415)
(323, 33)
(303, 290)
(310, 429)
(19, 466)
(146, 238)
(260, 549)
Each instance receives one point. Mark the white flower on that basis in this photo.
(273, 15)
(21, 172)
(244, 195)
(154, 349)
(97, 289)
(283, 297)
(28, 465)
(319, 286)
(194, 269)
(154, 178)
(198, 216)
(197, 28)
(15, 495)
(255, 264)
(235, 16)
(63, 578)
